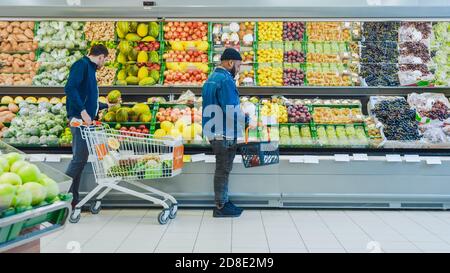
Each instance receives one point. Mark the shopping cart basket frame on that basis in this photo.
(150, 158)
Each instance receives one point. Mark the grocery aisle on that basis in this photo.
(301, 231)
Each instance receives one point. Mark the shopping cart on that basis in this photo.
(119, 156)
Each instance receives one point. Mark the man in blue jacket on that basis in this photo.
(82, 103)
(223, 125)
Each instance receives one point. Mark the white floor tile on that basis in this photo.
(433, 246)
(288, 250)
(402, 251)
(212, 249)
(322, 244)
(250, 250)
(326, 250)
(137, 230)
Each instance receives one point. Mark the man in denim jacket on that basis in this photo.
(223, 124)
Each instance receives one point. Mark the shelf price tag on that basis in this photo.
(37, 158)
(296, 159)
(434, 161)
(198, 157)
(311, 159)
(393, 158)
(210, 158)
(412, 158)
(237, 159)
(53, 158)
(341, 158)
(360, 157)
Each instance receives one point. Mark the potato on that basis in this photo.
(24, 25)
(21, 38)
(17, 30)
(29, 33)
(15, 24)
(9, 29)
(3, 24)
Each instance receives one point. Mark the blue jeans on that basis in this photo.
(225, 151)
(80, 157)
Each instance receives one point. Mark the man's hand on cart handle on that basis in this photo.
(86, 118)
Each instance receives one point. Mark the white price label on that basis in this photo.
(210, 159)
(311, 159)
(434, 161)
(53, 158)
(360, 157)
(412, 158)
(37, 158)
(393, 158)
(237, 159)
(341, 158)
(198, 157)
(296, 159)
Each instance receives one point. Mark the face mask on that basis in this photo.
(233, 71)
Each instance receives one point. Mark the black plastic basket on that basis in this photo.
(256, 154)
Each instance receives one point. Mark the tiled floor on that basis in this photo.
(137, 230)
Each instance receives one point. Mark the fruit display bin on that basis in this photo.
(20, 226)
(301, 144)
(351, 143)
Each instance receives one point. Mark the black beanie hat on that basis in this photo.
(231, 54)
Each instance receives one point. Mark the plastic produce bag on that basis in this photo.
(186, 98)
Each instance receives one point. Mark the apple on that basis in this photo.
(10, 178)
(13, 157)
(17, 165)
(38, 192)
(51, 187)
(22, 198)
(4, 164)
(7, 192)
(28, 173)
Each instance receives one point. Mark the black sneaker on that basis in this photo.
(228, 210)
(236, 207)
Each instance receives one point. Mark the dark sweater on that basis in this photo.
(82, 90)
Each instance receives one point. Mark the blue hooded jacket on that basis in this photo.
(82, 90)
(220, 90)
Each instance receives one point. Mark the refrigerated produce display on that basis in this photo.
(326, 86)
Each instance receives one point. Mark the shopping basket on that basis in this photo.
(119, 156)
(260, 153)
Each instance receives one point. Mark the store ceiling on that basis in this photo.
(392, 9)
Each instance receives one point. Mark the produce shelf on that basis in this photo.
(22, 225)
(25, 227)
(310, 91)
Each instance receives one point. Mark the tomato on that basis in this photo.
(145, 131)
(132, 128)
(142, 127)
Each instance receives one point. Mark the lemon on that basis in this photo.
(113, 143)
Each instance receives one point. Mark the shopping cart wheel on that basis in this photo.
(163, 216)
(96, 207)
(173, 211)
(75, 216)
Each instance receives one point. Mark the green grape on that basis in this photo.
(305, 131)
(350, 131)
(340, 132)
(294, 130)
(331, 132)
